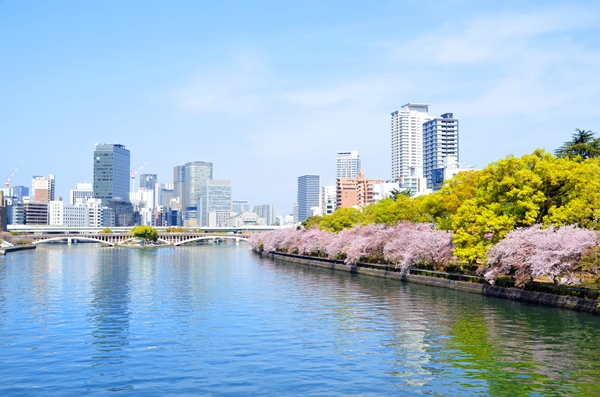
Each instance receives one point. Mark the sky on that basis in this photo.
(268, 90)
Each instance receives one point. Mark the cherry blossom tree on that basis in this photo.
(314, 241)
(532, 252)
(418, 243)
(368, 243)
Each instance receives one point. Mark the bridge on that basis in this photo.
(115, 239)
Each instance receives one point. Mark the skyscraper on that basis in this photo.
(178, 181)
(347, 165)
(440, 141)
(308, 195)
(215, 203)
(111, 173)
(195, 173)
(407, 139)
(42, 188)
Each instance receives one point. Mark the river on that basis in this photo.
(218, 320)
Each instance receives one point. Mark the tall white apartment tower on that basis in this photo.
(440, 141)
(407, 139)
(347, 165)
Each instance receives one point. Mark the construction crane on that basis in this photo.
(7, 180)
(133, 174)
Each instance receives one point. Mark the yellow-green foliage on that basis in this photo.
(517, 192)
(145, 232)
(342, 218)
(481, 207)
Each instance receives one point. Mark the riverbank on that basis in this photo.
(541, 298)
(4, 251)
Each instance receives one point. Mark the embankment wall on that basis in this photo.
(542, 298)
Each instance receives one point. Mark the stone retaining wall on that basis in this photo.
(4, 251)
(542, 298)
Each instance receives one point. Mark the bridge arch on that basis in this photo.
(63, 238)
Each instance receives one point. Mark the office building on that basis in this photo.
(63, 214)
(3, 213)
(355, 192)
(81, 194)
(195, 174)
(449, 169)
(308, 195)
(407, 139)
(347, 165)
(385, 190)
(266, 211)
(111, 173)
(328, 199)
(42, 189)
(240, 206)
(148, 181)
(215, 204)
(246, 219)
(16, 193)
(35, 213)
(295, 213)
(440, 141)
(178, 181)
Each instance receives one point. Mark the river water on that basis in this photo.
(218, 320)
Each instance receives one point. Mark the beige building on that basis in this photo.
(42, 189)
(355, 192)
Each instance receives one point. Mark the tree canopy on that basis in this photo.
(146, 233)
(583, 144)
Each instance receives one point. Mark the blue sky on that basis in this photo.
(269, 91)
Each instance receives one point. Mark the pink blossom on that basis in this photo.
(534, 252)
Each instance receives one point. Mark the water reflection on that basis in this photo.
(108, 312)
(215, 320)
(473, 344)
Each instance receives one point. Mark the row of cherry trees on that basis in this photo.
(524, 253)
(404, 245)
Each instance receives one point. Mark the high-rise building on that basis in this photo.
(82, 193)
(347, 165)
(295, 213)
(215, 203)
(178, 181)
(42, 189)
(111, 173)
(308, 195)
(148, 181)
(195, 174)
(407, 139)
(266, 211)
(355, 192)
(440, 140)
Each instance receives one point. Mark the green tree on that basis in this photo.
(583, 144)
(341, 219)
(312, 221)
(146, 233)
(106, 230)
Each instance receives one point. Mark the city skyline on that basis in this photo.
(267, 92)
